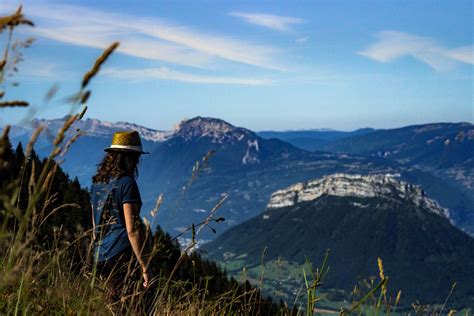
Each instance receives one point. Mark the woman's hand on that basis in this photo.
(146, 278)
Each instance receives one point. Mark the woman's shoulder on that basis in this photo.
(126, 180)
(129, 190)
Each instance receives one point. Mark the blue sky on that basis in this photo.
(258, 64)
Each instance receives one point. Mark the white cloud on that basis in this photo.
(393, 44)
(164, 73)
(150, 38)
(274, 22)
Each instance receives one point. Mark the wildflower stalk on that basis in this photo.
(311, 286)
(365, 298)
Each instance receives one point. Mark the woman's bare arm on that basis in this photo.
(135, 234)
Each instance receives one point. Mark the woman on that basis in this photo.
(116, 202)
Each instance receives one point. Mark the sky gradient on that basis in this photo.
(257, 64)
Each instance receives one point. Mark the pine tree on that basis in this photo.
(18, 160)
(6, 155)
(19, 154)
(6, 148)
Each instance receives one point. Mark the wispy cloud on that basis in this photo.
(164, 73)
(151, 38)
(393, 44)
(137, 47)
(35, 69)
(40, 71)
(274, 22)
(302, 40)
(464, 54)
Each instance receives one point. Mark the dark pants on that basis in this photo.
(119, 273)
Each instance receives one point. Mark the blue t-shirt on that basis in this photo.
(107, 203)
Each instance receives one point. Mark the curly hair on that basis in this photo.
(116, 165)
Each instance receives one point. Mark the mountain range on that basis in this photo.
(447, 149)
(203, 159)
(359, 218)
(314, 139)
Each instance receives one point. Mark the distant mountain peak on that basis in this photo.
(385, 186)
(219, 131)
(95, 127)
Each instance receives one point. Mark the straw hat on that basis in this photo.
(126, 141)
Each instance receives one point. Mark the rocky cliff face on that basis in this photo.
(217, 130)
(376, 185)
